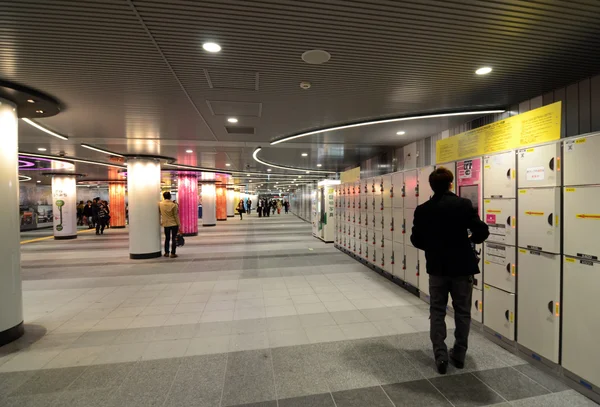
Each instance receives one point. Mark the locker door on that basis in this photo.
(539, 166)
(375, 238)
(371, 186)
(374, 254)
(499, 175)
(397, 188)
(582, 222)
(500, 215)
(386, 255)
(580, 161)
(410, 189)
(378, 180)
(387, 187)
(412, 265)
(539, 223)
(477, 306)
(379, 203)
(499, 266)
(499, 311)
(539, 298)
(387, 223)
(398, 222)
(423, 276)
(378, 221)
(452, 168)
(409, 215)
(398, 260)
(424, 189)
(372, 218)
(581, 325)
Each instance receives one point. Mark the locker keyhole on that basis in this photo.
(550, 307)
(550, 222)
(551, 164)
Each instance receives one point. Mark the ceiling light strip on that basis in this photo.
(192, 168)
(100, 150)
(45, 130)
(71, 160)
(282, 167)
(383, 121)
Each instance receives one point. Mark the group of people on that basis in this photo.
(94, 214)
(266, 207)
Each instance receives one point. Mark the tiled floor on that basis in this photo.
(254, 313)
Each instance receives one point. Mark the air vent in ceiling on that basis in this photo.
(236, 109)
(239, 130)
(225, 79)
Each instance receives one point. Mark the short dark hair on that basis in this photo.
(167, 195)
(440, 180)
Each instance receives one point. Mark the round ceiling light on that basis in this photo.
(211, 47)
(483, 70)
(316, 56)
(232, 120)
(30, 101)
(401, 133)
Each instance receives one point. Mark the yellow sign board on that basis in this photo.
(352, 175)
(534, 127)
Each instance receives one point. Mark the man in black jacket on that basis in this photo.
(446, 227)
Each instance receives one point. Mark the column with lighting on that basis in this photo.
(209, 200)
(231, 202)
(143, 187)
(221, 197)
(11, 302)
(64, 205)
(187, 198)
(116, 202)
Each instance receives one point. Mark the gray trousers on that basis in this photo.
(461, 290)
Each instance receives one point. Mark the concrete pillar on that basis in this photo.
(187, 198)
(231, 203)
(209, 200)
(11, 301)
(143, 187)
(116, 203)
(64, 206)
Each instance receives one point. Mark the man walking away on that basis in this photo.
(446, 227)
(169, 219)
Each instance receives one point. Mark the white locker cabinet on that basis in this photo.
(378, 221)
(398, 260)
(477, 306)
(374, 253)
(581, 325)
(371, 186)
(372, 219)
(409, 216)
(397, 190)
(499, 266)
(386, 218)
(379, 203)
(375, 238)
(499, 175)
(539, 303)
(539, 219)
(378, 185)
(539, 166)
(499, 311)
(582, 222)
(412, 265)
(357, 191)
(452, 168)
(386, 256)
(398, 224)
(500, 215)
(410, 189)
(581, 165)
(423, 276)
(424, 191)
(387, 190)
(364, 186)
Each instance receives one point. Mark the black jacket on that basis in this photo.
(441, 228)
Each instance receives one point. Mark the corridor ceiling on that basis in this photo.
(133, 77)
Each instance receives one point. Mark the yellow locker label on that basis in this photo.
(493, 211)
(514, 268)
(512, 317)
(487, 167)
(487, 201)
(557, 309)
(522, 191)
(557, 163)
(513, 172)
(530, 150)
(523, 251)
(514, 221)
(569, 260)
(556, 221)
(487, 262)
(580, 141)
(480, 306)
(587, 216)
(487, 287)
(570, 190)
(533, 213)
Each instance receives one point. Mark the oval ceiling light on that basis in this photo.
(304, 154)
(30, 101)
(383, 121)
(189, 151)
(227, 165)
(316, 56)
(401, 133)
(41, 149)
(268, 169)
(283, 167)
(483, 70)
(319, 165)
(232, 120)
(211, 47)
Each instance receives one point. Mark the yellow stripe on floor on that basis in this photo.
(39, 239)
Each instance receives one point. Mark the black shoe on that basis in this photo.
(457, 363)
(442, 366)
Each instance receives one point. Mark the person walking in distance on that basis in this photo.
(447, 227)
(88, 215)
(249, 205)
(240, 208)
(103, 217)
(169, 219)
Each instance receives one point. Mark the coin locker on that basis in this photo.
(398, 260)
(378, 185)
(499, 266)
(378, 216)
(412, 265)
(387, 191)
(539, 219)
(410, 189)
(582, 221)
(386, 255)
(397, 190)
(499, 311)
(386, 218)
(499, 175)
(424, 190)
(477, 306)
(409, 215)
(539, 166)
(581, 165)
(500, 215)
(539, 303)
(423, 276)
(398, 225)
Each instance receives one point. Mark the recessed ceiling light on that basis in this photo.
(299, 176)
(483, 70)
(304, 154)
(189, 151)
(30, 101)
(227, 165)
(247, 175)
(232, 120)
(401, 133)
(250, 181)
(41, 149)
(39, 111)
(308, 172)
(39, 182)
(211, 47)
(318, 165)
(268, 169)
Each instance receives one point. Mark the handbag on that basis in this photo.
(180, 240)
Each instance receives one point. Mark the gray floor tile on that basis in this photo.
(249, 378)
(12, 380)
(35, 400)
(510, 384)
(102, 376)
(466, 390)
(543, 378)
(316, 400)
(272, 403)
(569, 398)
(420, 393)
(85, 398)
(370, 396)
(48, 381)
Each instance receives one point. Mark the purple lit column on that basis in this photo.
(187, 197)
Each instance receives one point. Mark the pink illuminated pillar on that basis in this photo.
(187, 197)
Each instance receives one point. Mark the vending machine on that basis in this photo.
(325, 210)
